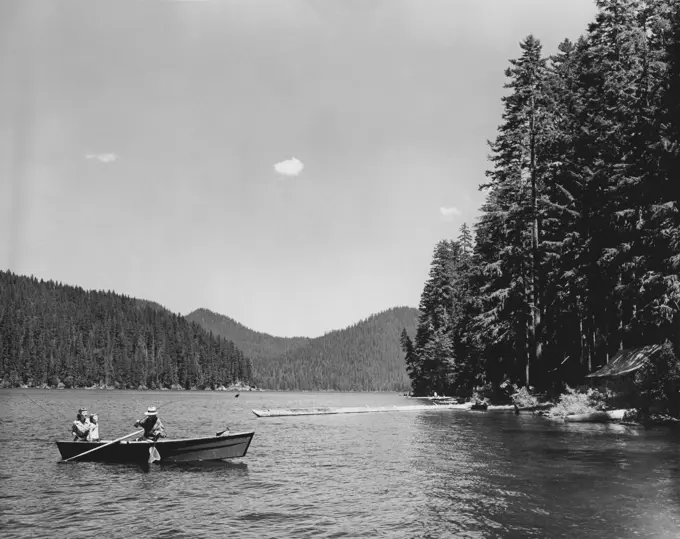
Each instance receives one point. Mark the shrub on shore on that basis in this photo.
(523, 398)
(577, 402)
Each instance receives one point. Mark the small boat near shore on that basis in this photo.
(481, 406)
(224, 446)
(535, 407)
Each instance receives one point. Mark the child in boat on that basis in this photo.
(94, 429)
(153, 428)
(81, 426)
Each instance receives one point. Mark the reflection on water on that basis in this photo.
(519, 476)
(440, 473)
(207, 466)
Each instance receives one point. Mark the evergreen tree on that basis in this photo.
(563, 220)
(467, 370)
(411, 364)
(512, 208)
(433, 346)
(660, 284)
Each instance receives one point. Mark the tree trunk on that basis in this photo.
(677, 334)
(527, 326)
(581, 338)
(619, 312)
(589, 338)
(536, 338)
(527, 352)
(593, 344)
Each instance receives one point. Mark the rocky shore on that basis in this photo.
(571, 406)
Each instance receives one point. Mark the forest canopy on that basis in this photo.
(52, 333)
(577, 251)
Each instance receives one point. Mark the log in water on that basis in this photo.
(596, 417)
(367, 409)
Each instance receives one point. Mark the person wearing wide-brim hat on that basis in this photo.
(81, 426)
(153, 428)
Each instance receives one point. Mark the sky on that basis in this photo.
(288, 163)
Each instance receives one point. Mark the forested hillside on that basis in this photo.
(577, 251)
(52, 333)
(256, 345)
(363, 357)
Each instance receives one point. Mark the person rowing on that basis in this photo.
(153, 428)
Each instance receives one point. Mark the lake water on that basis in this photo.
(428, 474)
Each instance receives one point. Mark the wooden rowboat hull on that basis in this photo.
(233, 445)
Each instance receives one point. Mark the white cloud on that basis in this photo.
(449, 213)
(289, 167)
(102, 157)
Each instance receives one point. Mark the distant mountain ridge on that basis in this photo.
(254, 344)
(52, 333)
(365, 356)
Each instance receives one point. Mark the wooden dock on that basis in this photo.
(281, 412)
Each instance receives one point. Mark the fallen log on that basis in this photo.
(356, 409)
(596, 417)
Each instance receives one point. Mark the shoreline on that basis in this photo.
(629, 416)
(243, 389)
(621, 416)
(232, 389)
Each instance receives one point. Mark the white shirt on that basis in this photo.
(93, 436)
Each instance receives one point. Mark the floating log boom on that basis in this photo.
(267, 412)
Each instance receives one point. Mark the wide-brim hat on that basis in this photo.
(151, 410)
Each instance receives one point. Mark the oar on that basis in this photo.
(102, 446)
(221, 433)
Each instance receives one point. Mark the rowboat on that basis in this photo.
(225, 446)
